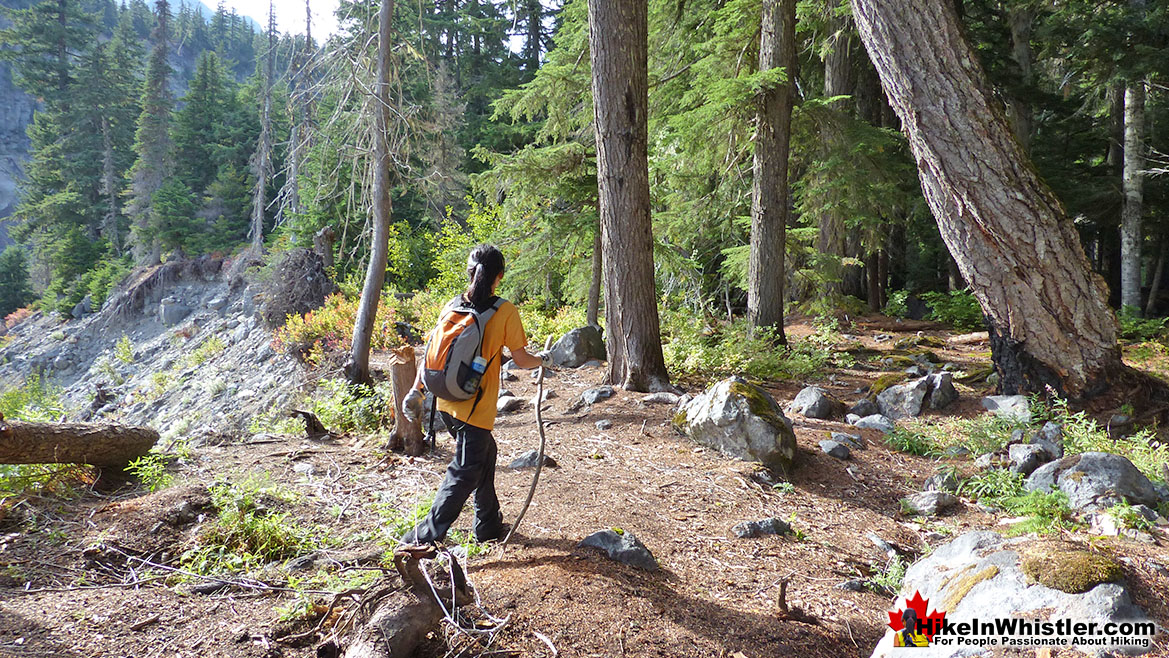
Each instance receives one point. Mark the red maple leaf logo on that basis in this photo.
(930, 623)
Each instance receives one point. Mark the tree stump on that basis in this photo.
(73, 443)
(403, 372)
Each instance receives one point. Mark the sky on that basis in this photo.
(289, 14)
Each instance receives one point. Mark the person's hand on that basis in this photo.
(545, 359)
(412, 406)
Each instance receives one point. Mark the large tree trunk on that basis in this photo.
(262, 160)
(769, 189)
(357, 368)
(1133, 185)
(1013, 241)
(617, 46)
(837, 82)
(1021, 19)
(73, 443)
(406, 434)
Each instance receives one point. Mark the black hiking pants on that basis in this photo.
(472, 469)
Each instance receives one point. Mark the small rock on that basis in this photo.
(1008, 406)
(875, 422)
(941, 481)
(929, 503)
(881, 338)
(814, 402)
(303, 467)
(772, 526)
(850, 440)
(509, 404)
(530, 458)
(834, 449)
(592, 363)
(942, 392)
(661, 397)
(302, 563)
(217, 303)
(956, 451)
(854, 585)
(904, 400)
(864, 407)
(508, 376)
(595, 395)
(604, 424)
(623, 547)
(1025, 457)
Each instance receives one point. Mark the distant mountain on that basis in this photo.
(208, 12)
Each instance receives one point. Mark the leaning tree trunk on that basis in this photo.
(618, 51)
(1133, 185)
(1013, 241)
(73, 443)
(357, 368)
(407, 434)
(769, 189)
(262, 160)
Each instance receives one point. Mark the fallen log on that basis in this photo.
(73, 443)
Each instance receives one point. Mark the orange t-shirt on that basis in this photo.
(504, 329)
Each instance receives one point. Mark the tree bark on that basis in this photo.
(594, 308)
(262, 160)
(1133, 186)
(406, 434)
(73, 443)
(769, 189)
(837, 82)
(357, 368)
(618, 52)
(1021, 20)
(1013, 241)
(1155, 284)
(323, 244)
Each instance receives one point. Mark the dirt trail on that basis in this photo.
(715, 595)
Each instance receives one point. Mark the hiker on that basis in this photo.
(910, 635)
(471, 420)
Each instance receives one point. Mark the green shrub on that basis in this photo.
(540, 322)
(1046, 513)
(896, 306)
(124, 350)
(1135, 327)
(346, 408)
(35, 400)
(888, 582)
(732, 349)
(994, 487)
(1082, 434)
(150, 469)
(905, 439)
(328, 331)
(980, 434)
(208, 349)
(1127, 516)
(957, 308)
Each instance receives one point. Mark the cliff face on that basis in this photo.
(16, 109)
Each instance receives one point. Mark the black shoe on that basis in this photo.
(411, 539)
(497, 535)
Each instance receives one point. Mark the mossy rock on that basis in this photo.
(920, 341)
(929, 356)
(884, 382)
(898, 361)
(976, 375)
(1068, 568)
(759, 405)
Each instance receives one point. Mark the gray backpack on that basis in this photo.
(453, 345)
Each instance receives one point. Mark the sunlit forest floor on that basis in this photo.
(112, 570)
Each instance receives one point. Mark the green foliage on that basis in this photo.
(150, 469)
(733, 349)
(995, 487)
(1046, 513)
(1127, 516)
(343, 407)
(915, 443)
(888, 582)
(210, 348)
(540, 322)
(274, 422)
(397, 522)
(931, 437)
(124, 350)
(248, 531)
(172, 212)
(896, 306)
(1135, 327)
(1083, 434)
(957, 308)
(35, 400)
(15, 287)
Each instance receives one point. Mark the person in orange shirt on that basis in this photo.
(471, 421)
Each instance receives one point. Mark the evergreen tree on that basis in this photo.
(153, 147)
(172, 211)
(199, 124)
(15, 288)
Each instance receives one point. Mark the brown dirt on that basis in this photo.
(715, 595)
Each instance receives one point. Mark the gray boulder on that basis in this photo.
(623, 547)
(864, 407)
(772, 526)
(741, 420)
(929, 503)
(941, 481)
(530, 459)
(217, 303)
(1050, 438)
(903, 400)
(172, 312)
(508, 404)
(595, 395)
(579, 346)
(1008, 406)
(834, 449)
(1095, 481)
(603, 424)
(82, 308)
(982, 571)
(875, 422)
(1026, 457)
(661, 397)
(942, 392)
(815, 402)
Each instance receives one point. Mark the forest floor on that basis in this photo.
(68, 588)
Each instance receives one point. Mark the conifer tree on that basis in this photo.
(153, 146)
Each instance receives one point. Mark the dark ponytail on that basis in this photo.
(483, 265)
